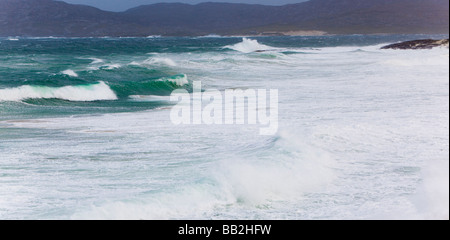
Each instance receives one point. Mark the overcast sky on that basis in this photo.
(121, 5)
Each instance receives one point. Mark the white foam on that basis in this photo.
(180, 80)
(297, 169)
(70, 73)
(100, 64)
(162, 61)
(211, 36)
(248, 46)
(112, 66)
(96, 60)
(149, 98)
(104, 67)
(81, 93)
(193, 202)
(432, 197)
(407, 61)
(233, 183)
(155, 61)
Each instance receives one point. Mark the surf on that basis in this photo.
(159, 87)
(78, 93)
(155, 62)
(70, 73)
(249, 46)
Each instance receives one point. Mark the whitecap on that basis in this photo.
(80, 93)
(248, 46)
(96, 60)
(112, 66)
(70, 72)
(179, 80)
(155, 61)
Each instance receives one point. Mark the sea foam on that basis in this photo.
(80, 93)
(239, 183)
(248, 46)
(179, 80)
(96, 60)
(70, 72)
(155, 61)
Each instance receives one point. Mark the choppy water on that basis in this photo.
(85, 130)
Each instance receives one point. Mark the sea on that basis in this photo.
(86, 129)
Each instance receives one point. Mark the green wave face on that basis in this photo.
(161, 87)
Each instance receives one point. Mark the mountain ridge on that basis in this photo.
(56, 18)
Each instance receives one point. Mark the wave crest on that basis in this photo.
(70, 73)
(248, 46)
(156, 61)
(161, 87)
(179, 80)
(80, 93)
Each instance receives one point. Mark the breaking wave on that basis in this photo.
(248, 46)
(79, 93)
(155, 61)
(161, 87)
(70, 73)
(96, 92)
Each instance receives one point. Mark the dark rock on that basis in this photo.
(418, 44)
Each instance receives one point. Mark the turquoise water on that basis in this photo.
(128, 66)
(85, 130)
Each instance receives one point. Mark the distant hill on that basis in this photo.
(54, 18)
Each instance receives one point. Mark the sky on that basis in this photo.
(122, 5)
